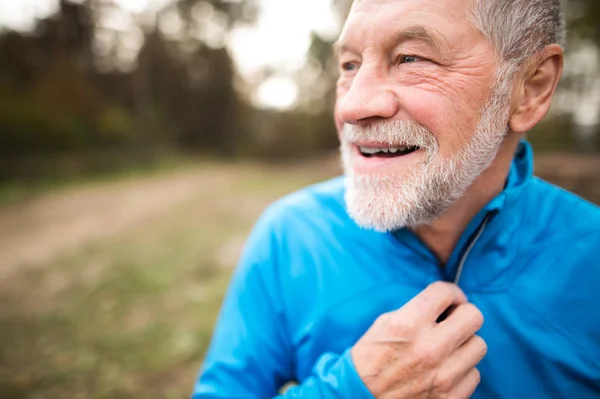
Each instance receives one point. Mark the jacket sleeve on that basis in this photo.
(333, 377)
(251, 354)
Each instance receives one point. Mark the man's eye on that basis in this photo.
(349, 66)
(408, 59)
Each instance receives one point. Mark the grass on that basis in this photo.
(59, 177)
(132, 315)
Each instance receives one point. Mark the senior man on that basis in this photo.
(351, 287)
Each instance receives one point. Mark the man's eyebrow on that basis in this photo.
(416, 32)
(420, 33)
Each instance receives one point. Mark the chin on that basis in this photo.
(382, 199)
(385, 203)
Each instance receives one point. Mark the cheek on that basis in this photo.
(339, 125)
(340, 93)
(450, 112)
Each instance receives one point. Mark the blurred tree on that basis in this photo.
(188, 74)
(578, 97)
(47, 100)
(18, 67)
(211, 101)
(179, 92)
(226, 12)
(583, 19)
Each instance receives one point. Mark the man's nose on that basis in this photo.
(369, 97)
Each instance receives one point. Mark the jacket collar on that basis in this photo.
(487, 264)
(492, 262)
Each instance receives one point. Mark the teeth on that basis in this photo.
(393, 150)
(367, 150)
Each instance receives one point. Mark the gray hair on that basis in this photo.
(519, 29)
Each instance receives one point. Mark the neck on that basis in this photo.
(443, 234)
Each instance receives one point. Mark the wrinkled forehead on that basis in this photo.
(451, 19)
(457, 6)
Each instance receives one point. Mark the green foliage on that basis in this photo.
(32, 127)
(290, 135)
(116, 125)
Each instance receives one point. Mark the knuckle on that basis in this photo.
(398, 326)
(404, 326)
(386, 324)
(383, 320)
(441, 289)
(443, 384)
(439, 285)
(477, 376)
(474, 314)
(481, 346)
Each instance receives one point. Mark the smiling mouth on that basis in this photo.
(389, 152)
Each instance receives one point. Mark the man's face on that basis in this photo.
(418, 118)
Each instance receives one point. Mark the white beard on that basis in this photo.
(391, 201)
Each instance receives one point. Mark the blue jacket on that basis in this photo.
(311, 282)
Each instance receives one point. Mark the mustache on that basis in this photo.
(394, 133)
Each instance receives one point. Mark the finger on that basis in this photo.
(445, 314)
(461, 325)
(432, 302)
(466, 388)
(454, 368)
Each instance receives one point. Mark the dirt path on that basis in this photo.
(41, 229)
(37, 231)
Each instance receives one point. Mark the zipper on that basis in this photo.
(464, 257)
(463, 260)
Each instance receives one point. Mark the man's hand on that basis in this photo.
(408, 354)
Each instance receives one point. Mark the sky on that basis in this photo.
(279, 40)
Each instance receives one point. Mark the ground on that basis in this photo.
(111, 290)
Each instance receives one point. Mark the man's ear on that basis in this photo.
(535, 90)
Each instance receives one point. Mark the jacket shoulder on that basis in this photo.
(559, 273)
(290, 225)
(321, 203)
(558, 216)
